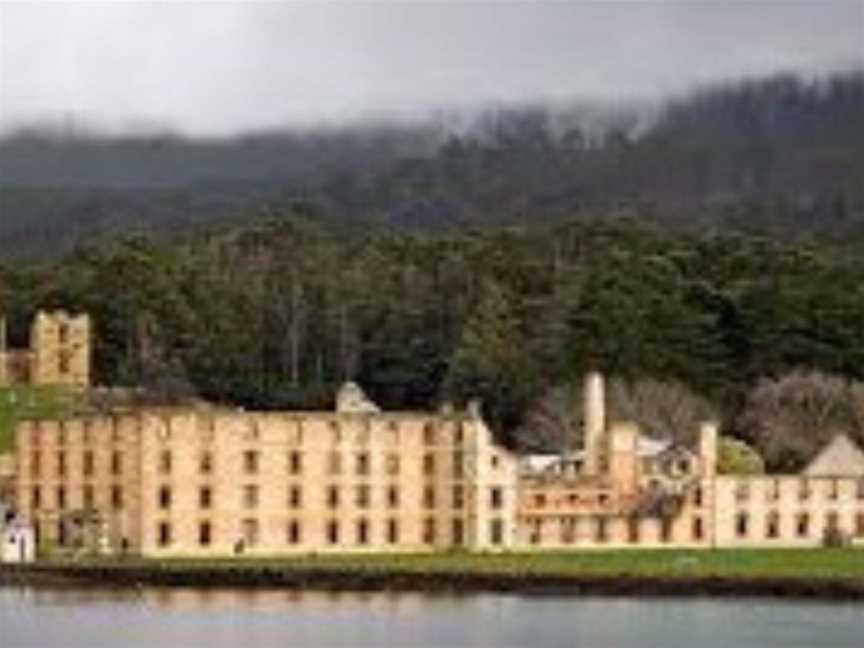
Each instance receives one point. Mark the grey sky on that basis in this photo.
(207, 67)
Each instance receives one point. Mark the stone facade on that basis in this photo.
(176, 482)
(59, 353)
(211, 482)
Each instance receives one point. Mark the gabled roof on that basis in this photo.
(840, 457)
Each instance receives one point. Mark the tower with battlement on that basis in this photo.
(59, 354)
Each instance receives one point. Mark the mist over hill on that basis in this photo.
(783, 155)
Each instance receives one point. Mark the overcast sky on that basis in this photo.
(207, 67)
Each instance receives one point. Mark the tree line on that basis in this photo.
(278, 313)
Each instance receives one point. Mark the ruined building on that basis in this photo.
(204, 481)
(59, 352)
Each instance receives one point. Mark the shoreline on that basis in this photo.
(166, 574)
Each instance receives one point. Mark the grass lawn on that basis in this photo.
(21, 402)
(809, 564)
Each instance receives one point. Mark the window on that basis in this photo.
(568, 530)
(458, 465)
(428, 497)
(496, 497)
(429, 433)
(64, 362)
(61, 498)
(742, 491)
(698, 528)
(772, 525)
(665, 530)
(165, 462)
(602, 529)
(164, 497)
(774, 490)
(428, 464)
(803, 490)
(363, 464)
(393, 497)
(493, 461)
(392, 531)
(859, 525)
(293, 532)
(88, 497)
(802, 525)
(333, 532)
(35, 464)
(459, 435)
(458, 531)
(116, 463)
(204, 534)
(334, 463)
(539, 500)
(362, 531)
(834, 490)
(742, 525)
(392, 464)
(36, 498)
(205, 463)
(88, 464)
(860, 489)
(333, 496)
(295, 497)
(250, 496)
(295, 463)
(832, 522)
(61, 464)
(250, 462)
(163, 534)
(429, 530)
(496, 531)
(633, 530)
(116, 497)
(204, 497)
(335, 432)
(249, 532)
(698, 497)
(361, 496)
(458, 497)
(536, 530)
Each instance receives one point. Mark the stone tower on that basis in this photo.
(60, 349)
(595, 422)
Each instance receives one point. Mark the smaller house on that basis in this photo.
(17, 539)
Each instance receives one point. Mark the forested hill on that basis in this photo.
(782, 156)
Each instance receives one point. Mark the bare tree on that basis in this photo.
(663, 410)
(791, 417)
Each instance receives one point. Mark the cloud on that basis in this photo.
(224, 67)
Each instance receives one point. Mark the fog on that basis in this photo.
(223, 68)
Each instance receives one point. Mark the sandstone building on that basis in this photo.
(205, 481)
(59, 352)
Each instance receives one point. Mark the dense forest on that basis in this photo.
(715, 251)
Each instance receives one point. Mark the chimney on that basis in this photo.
(708, 437)
(595, 420)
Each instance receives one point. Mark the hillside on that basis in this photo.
(781, 155)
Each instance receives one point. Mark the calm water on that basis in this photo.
(214, 618)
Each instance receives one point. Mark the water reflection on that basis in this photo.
(213, 618)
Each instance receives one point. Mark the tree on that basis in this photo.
(490, 363)
(790, 418)
(735, 457)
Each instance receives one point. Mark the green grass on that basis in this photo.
(803, 564)
(21, 402)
